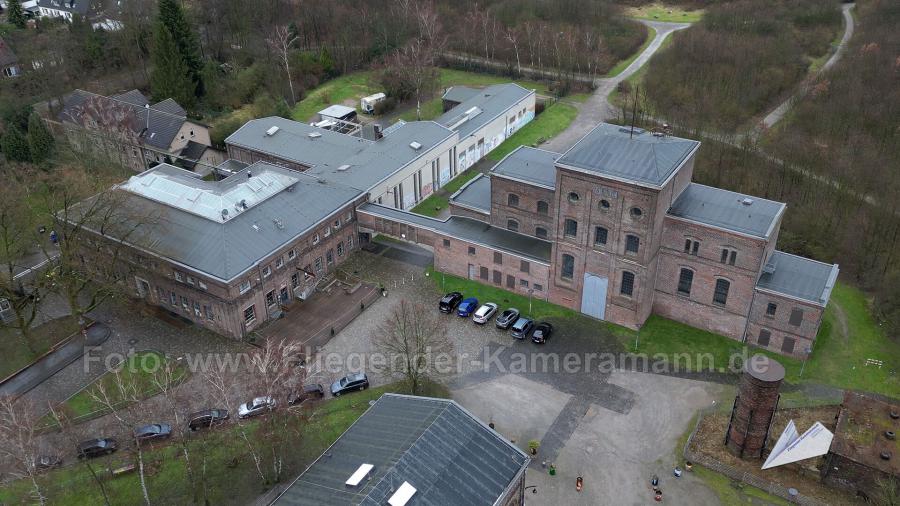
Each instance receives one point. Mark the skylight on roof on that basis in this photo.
(359, 474)
(402, 495)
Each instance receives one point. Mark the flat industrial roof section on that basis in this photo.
(486, 106)
(529, 165)
(475, 195)
(193, 229)
(728, 210)
(442, 451)
(643, 158)
(470, 230)
(799, 277)
(859, 434)
(459, 93)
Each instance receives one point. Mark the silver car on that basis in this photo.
(255, 407)
(484, 313)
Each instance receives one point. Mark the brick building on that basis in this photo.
(630, 235)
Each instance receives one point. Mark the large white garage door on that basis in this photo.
(593, 296)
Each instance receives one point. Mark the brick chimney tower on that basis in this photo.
(754, 407)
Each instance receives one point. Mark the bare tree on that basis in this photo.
(69, 434)
(281, 42)
(166, 379)
(415, 342)
(18, 441)
(513, 39)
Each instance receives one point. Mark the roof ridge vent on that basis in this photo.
(415, 145)
(272, 131)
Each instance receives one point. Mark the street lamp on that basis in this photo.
(808, 350)
(530, 291)
(637, 338)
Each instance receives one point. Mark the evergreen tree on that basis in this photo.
(40, 140)
(170, 77)
(14, 146)
(16, 16)
(172, 16)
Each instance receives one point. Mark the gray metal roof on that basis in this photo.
(799, 277)
(468, 229)
(445, 453)
(727, 209)
(74, 6)
(530, 165)
(459, 93)
(232, 165)
(122, 112)
(644, 158)
(475, 194)
(170, 106)
(185, 232)
(491, 101)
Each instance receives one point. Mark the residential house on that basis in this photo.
(9, 63)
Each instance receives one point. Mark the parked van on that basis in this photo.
(367, 104)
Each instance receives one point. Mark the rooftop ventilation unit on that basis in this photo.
(279, 223)
(224, 214)
(314, 135)
(342, 168)
(415, 145)
(358, 475)
(747, 201)
(272, 131)
(402, 495)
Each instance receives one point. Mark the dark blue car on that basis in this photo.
(467, 307)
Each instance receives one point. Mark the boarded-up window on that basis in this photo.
(484, 273)
(541, 232)
(498, 277)
(510, 281)
(525, 266)
(763, 339)
(568, 266)
(787, 346)
(498, 258)
(796, 317)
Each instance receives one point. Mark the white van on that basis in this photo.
(367, 104)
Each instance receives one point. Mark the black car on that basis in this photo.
(522, 327)
(207, 418)
(449, 302)
(507, 318)
(152, 431)
(96, 447)
(541, 332)
(350, 383)
(313, 391)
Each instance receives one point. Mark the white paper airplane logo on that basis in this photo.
(792, 447)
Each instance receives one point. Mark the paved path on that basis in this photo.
(597, 108)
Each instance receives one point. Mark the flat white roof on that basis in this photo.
(402, 495)
(336, 111)
(358, 476)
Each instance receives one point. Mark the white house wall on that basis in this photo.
(439, 155)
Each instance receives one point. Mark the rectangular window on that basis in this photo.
(498, 277)
(632, 243)
(329, 257)
(185, 305)
(763, 339)
(685, 280)
(295, 280)
(498, 258)
(267, 271)
(523, 283)
(201, 284)
(721, 294)
(538, 287)
(787, 346)
(484, 273)
(190, 280)
(327, 232)
(250, 315)
(245, 286)
(568, 267)
(524, 266)
(570, 228)
(179, 277)
(724, 256)
(208, 310)
(510, 281)
(197, 309)
(316, 239)
(340, 249)
(270, 298)
(472, 250)
(600, 235)
(173, 298)
(695, 248)
(446, 243)
(350, 242)
(627, 286)
(687, 246)
(771, 309)
(732, 257)
(337, 223)
(292, 254)
(796, 317)
(319, 264)
(279, 263)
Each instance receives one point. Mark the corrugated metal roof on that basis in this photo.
(644, 158)
(799, 277)
(225, 249)
(491, 102)
(475, 194)
(727, 209)
(529, 164)
(469, 230)
(436, 446)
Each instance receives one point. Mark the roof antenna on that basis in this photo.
(637, 89)
(147, 106)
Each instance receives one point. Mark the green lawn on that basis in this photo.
(430, 109)
(635, 80)
(663, 12)
(622, 65)
(437, 202)
(545, 126)
(231, 476)
(136, 374)
(15, 352)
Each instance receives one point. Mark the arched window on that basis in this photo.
(540, 232)
(568, 266)
(721, 294)
(571, 228)
(574, 197)
(512, 200)
(685, 280)
(627, 285)
(543, 207)
(512, 225)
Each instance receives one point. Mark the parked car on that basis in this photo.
(96, 447)
(313, 391)
(207, 418)
(449, 302)
(350, 383)
(507, 318)
(541, 332)
(484, 313)
(257, 406)
(44, 462)
(467, 307)
(153, 431)
(522, 327)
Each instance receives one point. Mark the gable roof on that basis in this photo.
(529, 165)
(7, 56)
(729, 210)
(170, 106)
(193, 231)
(798, 277)
(485, 106)
(81, 7)
(191, 154)
(125, 113)
(475, 194)
(434, 445)
(644, 158)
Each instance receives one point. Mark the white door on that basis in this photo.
(471, 271)
(593, 296)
